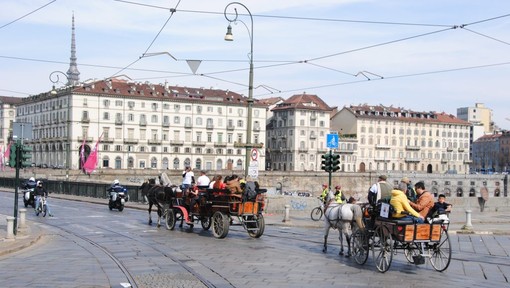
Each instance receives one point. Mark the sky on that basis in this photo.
(432, 55)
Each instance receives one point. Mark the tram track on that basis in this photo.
(181, 261)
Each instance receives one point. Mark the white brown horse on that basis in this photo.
(342, 217)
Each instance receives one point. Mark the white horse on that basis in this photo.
(342, 217)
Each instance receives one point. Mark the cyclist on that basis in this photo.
(39, 192)
(324, 193)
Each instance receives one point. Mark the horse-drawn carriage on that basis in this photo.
(211, 207)
(384, 236)
(217, 208)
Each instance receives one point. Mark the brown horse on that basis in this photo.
(158, 195)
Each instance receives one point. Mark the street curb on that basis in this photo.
(19, 244)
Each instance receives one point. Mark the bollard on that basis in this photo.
(468, 225)
(286, 218)
(10, 227)
(22, 218)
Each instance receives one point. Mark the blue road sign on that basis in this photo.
(332, 141)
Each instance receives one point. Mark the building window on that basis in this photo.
(106, 116)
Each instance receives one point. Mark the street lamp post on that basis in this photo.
(55, 78)
(229, 37)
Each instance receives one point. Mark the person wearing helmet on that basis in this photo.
(324, 193)
(39, 192)
(30, 184)
(114, 189)
(339, 197)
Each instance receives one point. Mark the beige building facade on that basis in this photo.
(396, 139)
(143, 126)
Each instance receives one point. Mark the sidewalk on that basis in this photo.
(488, 222)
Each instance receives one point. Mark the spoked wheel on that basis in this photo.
(411, 250)
(170, 219)
(360, 247)
(206, 223)
(220, 224)
(441, 253)
(255, 225)
(316, 214)
(382, 248)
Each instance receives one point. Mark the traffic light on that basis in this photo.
(25, 156)
(12, 156)
(326, 162)
(335, 162)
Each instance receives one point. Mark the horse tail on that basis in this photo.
(358, 216)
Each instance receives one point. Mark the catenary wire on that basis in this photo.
(19, 18)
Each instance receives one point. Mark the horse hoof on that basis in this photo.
(159, 225)
(341, 253)
(324, 250)
(348, 255)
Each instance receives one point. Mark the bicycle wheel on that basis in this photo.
(316, 214)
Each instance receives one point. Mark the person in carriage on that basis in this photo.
(424, 202)
(401, 206)
(234, 186)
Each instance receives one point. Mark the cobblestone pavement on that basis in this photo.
(495, 270)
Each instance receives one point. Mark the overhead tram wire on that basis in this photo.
(293, 17)
(29, 13)
(390, 77)
(172, 11)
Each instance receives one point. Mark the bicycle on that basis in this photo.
(318, 211)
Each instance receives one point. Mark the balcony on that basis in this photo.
(83, 120)
(199, 143)
(468, 162)
(87, 139)
(209, 126)
(231, 127)
(412, 160)
(303, 150)
(143, 123)
(345, 151)
(239, 144)
(188, 125)
(381, 159)
(449, 149)
(256, 128)
(220, 144)
(176, 142)
(444, 161)
(322, 150)
(312, 136)
(118, 122)
(461, 150)
(165, 124)
(106, 140)
(153, 142)
(413, 148)
(382, 147)
(130, 141)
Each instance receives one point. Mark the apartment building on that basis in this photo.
(296, 134)
(7, 116)
(142, 125)
(397, 139)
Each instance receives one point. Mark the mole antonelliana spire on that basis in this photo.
(73, 74)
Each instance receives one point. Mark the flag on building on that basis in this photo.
(82, 154)
(91, 163)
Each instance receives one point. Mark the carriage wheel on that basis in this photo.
(360, 247)
(382, 248)
(170, 219)
(441, 253)
(410, 251)
(206, 223)
(221, 224)
(316, 214)
(255, 225)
